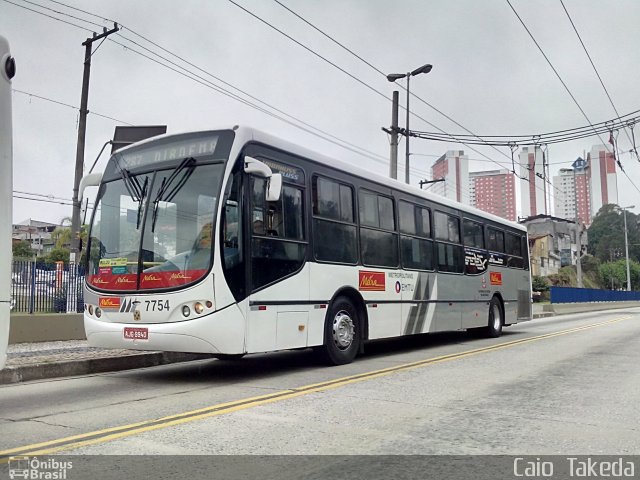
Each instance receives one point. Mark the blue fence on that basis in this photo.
(574, 295)
(46, 288)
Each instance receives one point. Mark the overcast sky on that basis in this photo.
(487, 75)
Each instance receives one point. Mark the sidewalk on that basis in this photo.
(41, 360)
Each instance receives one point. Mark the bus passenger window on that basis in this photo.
(333, 223)
(473, 236)
(495, 240)
(450, 253)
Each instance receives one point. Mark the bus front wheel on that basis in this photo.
(342, 334)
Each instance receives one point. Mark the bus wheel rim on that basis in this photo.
(343, 330)
(497, 320)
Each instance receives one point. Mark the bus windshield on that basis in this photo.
(154, 230)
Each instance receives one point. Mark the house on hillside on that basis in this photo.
(37, 233)
(552, 243)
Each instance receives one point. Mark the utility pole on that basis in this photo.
(579, 254)
(626, 245)
(393, 169)
(82, 128)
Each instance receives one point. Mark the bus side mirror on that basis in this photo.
(274, 188)
(254, 166)
(91, 180)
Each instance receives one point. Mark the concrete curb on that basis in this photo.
(41, 371)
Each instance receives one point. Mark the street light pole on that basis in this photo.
(626, 245)
(397, 76)
(406, 148)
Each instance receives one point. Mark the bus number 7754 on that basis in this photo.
(156, 305)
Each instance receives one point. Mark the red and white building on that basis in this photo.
(453, 167)
(533, 189)
(602, 170)
(494, 191)
(572, 192)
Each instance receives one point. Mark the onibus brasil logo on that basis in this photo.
(34, 468)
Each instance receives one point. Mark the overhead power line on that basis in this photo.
(568, 90)
(481, 141)
(584, 47)
(542, 138)
(57, 102)
(181, 70)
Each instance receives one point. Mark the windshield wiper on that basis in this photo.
(136, 192)
(186, 167)
(141, 201)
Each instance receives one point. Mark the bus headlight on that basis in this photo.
(98, 312)
(186, 311)
(91, 310)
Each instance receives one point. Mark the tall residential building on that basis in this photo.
(604, 187)
(533, 188)
(572, 192)
(453, 166)
(494, 191)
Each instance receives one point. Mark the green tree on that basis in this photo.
(22, 249)
(58, 255)
(62, 241)
(606, 234)
(614, 274)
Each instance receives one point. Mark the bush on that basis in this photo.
(539, 284)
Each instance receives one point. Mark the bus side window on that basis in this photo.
(334, 222)
(232, 239)
(450, 253)
(277, 247)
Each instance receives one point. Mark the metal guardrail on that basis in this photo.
(575, 295)
(38, 287)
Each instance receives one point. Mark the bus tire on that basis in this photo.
(342, 335)
(496, 319)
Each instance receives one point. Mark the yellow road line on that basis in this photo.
(114, 433)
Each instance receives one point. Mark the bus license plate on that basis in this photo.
(136, 333)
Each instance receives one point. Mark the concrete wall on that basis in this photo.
(25, 328)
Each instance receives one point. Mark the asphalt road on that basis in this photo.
(561, 385)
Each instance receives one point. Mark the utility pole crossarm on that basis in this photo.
(425, 182)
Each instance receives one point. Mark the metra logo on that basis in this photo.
(372, 281)
(124, 280)
(109, 302)
(151, 278)
(495, 278)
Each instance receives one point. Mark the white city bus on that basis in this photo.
(7, 71)
(233, 242)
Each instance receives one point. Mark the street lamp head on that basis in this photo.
(392, 77)
(629, 207)
(423, 69)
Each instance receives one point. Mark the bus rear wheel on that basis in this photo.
(342, 334)
(496, 319)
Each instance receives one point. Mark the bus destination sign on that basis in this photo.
(195, 147)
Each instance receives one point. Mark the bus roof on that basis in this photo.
(248, 134)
